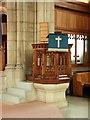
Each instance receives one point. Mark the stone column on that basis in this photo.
(19, 72)
(40, 17)
(28, 28)
(35, 22)
(11, 44)
(50, 15)
(45, 13)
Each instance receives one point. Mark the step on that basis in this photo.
(12, 99)
(17, 91)
(25, 85)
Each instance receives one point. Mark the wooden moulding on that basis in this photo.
(78, 6)
(41, 45)
(46, 80)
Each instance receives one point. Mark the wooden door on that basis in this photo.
(3, 41)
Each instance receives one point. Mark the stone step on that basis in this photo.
(25, 85)
(22, 92)
(12, 99)
(17, 91)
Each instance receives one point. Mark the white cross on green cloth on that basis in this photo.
(58, 39)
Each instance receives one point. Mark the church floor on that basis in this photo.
(78, 107)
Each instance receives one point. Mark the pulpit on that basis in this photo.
(51, 71)
(50, 67)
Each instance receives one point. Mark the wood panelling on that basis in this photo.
(73, 21)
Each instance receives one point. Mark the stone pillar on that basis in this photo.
(28, 28)
(2, 82)
(19, 72)
(50, 15)
(45, 13)
(35, 22)
(11, 44)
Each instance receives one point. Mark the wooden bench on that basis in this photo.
(80, 79)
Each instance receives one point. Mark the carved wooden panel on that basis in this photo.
(50, 63)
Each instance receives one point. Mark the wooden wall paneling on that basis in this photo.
(83, 22)
(59, 19)
(64, 19)
(79, 21)
(73, 21)
(87, 25)
(68, 20)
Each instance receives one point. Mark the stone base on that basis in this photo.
(10, 77)
(54, 93)
(19, 73)
(2, 82)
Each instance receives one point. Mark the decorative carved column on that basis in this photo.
(11, 44)
(69, 60)
(43, 63)
(56, 63)
(34, 63)
(19, 72)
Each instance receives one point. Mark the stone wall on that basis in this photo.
(23, 20)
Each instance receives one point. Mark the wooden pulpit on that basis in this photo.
(50, 67)
(51, 71)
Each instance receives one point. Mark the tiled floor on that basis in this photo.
(77, 108)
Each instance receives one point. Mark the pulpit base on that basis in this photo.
(52, 93)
